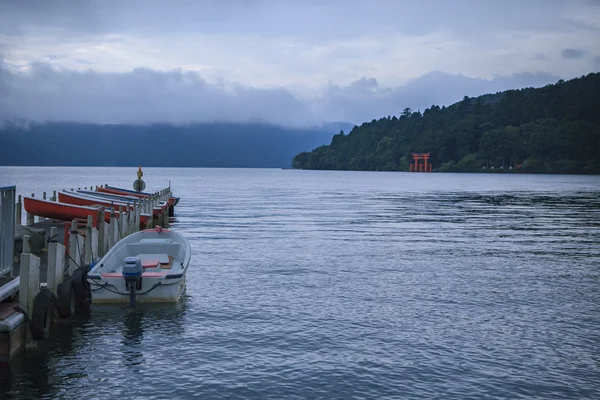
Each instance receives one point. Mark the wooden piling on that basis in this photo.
(56, 261)
(101, 226)
(73, 253)
(111, 230)
(29, 284)
(124, 223)
(121, 222)
(44, 198)
(30, 217)
(19, 211)
(88, 250)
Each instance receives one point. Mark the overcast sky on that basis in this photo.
(293, 62)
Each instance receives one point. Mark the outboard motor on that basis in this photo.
(132, 272)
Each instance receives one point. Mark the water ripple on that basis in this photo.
(331, 285)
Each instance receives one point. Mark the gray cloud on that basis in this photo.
(282, 61)
(309, 18)
(140, 96)
(573, 54)
(146, 96)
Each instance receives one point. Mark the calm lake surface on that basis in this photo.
(340, 285)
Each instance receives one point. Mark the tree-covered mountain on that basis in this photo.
(199, 145)
(553, 129)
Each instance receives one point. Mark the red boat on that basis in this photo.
(122, 192)
(68, 212)
(61, 211)
(142, 195)
(91, 200)
(84, 200)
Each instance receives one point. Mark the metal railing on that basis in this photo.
(8, 196)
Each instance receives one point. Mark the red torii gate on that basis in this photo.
(420, 167)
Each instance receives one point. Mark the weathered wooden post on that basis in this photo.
(56, 261)
(44, 198)
(101, 226)
(111, 229)
(54, 198)
(89, 251)
(124, 224)
(29, 284)
(19, 212)
(121, 221)
(138, 215)
(73, 253)
(134, 212)
(30, 217)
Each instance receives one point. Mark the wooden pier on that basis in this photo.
(43, 264)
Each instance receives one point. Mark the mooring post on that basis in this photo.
(56, 261)
(73, 253)
(121, 222)
(30, 217)
(19, 212)
(44, 198)
(101, 226)
(29, 284)
(88, 251)
(138, 215)
(134, 212)
(111, 229)
(54, 198)
(124, 224)
(129, 229)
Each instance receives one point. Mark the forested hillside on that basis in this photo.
(553, 129)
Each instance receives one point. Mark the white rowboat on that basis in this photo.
(146, 267)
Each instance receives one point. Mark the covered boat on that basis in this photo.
(86, 200)
(67, 212)
(173, 201)
(146, 267)
(61, 211)
(96, 198)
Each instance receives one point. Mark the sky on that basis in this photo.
(290, 62)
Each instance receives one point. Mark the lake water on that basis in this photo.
(340, 285)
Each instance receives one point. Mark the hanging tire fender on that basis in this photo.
(65, 299)
(81, 284)
(42, 315)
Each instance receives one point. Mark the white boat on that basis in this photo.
(145, 267)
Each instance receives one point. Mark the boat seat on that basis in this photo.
(151, 264)
(156, 240)
(151, 260)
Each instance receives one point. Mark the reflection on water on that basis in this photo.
(308, 284)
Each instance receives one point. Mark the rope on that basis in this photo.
(105, 285)
(52, 239)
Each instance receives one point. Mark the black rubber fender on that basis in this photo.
(42, 314)
(65, 299)
(81, 285)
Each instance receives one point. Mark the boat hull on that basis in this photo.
(82, 200)
(172, 201)
(61, 211)
(154, 290)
